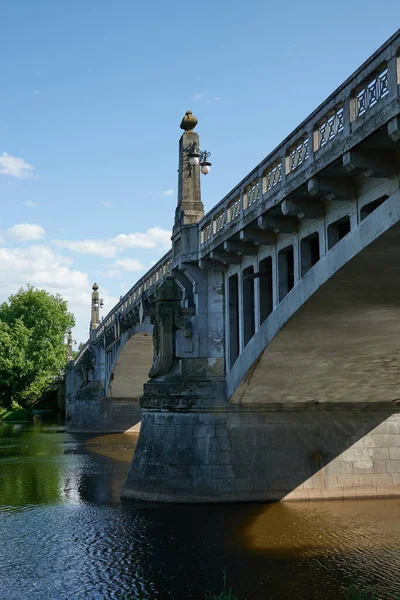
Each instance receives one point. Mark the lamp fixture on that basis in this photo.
(97, 303)
(197, 157)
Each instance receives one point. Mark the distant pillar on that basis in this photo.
(70, 355)
(95, 316)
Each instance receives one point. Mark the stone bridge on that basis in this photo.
(264, 349)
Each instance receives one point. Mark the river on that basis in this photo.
(64, 534)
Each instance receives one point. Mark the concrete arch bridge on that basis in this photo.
(275, 364)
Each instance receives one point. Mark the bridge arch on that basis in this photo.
(338, 324)
(127, 374)
(132, 364)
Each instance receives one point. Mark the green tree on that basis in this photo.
(33, 324)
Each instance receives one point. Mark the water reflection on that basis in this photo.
(65, 534)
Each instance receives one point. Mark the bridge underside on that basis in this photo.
(130, 372)
(343, 344)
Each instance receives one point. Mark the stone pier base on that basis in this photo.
(244, 454)
(108, 415)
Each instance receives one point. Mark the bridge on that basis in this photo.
(262, 353)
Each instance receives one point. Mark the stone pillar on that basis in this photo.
(95, 314)
(182, 402)
(190, 208)
(70, 355)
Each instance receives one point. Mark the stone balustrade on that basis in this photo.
(362, 97)
(133, 297)
(320, 138)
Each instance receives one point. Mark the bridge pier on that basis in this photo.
(227, 454)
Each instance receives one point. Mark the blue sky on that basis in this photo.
(91, 97)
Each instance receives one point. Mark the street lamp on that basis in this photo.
(97, 303)
(205, 165)
(198, 157)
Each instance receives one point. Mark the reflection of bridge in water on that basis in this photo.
(275, 366)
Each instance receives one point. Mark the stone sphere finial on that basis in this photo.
(189, 121)
(95, 287)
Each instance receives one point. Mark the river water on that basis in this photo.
(64, 533)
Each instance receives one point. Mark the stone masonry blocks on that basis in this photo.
(243, 455)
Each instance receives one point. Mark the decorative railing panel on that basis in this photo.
(219, 221)
(252, 194)
(206, 232)
(272, 176)
(329, 127)
(233, 209)
(297, 155)
(371, 92)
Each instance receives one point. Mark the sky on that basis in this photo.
(91, 97)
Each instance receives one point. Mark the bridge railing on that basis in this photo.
(360, 97)
(81, 353)
(152, 278)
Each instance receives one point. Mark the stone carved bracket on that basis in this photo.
(168, 317)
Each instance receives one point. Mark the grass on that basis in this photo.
(3, 412)
(226, 594)
(21, 415)
(15, 414)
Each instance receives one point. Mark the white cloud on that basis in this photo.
(206, 98)
(41, 267)
(106, 204)
(109, 273)
(213, 99)
(95, 247)
(14, 166)
(36, 92)
(169, 192)
(24, 232)
(130, 264)
(155, 237)
(31, 204)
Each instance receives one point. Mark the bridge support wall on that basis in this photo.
(106, 415)
(230, 455)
